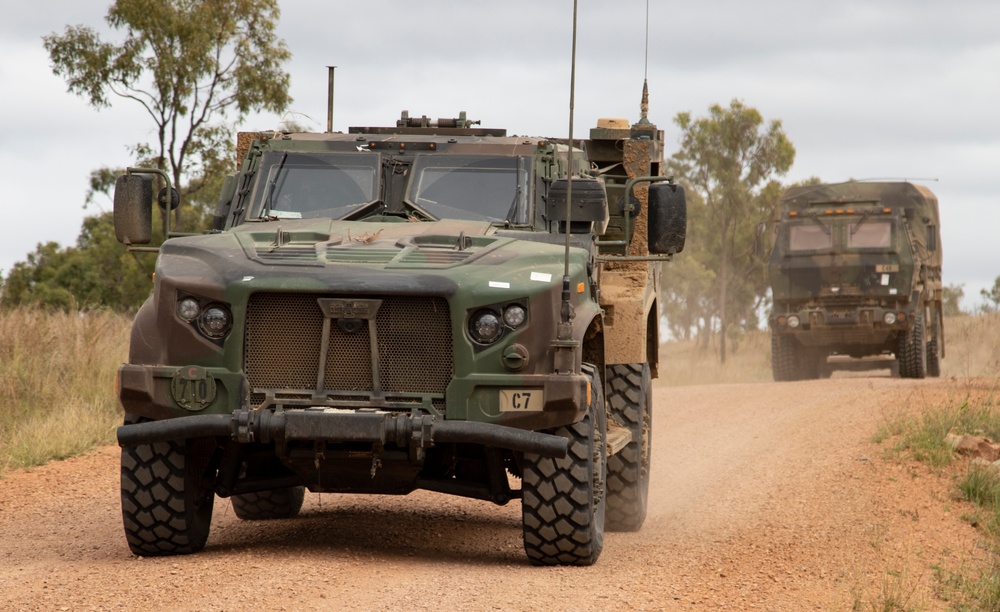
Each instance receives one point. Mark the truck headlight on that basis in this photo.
(889, 318)
(514, 316)
(793, 321)
(188, 309)
(215, 322)
(485, 327)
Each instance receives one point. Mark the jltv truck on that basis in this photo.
(432, 305)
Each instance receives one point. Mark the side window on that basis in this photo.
(932, 238)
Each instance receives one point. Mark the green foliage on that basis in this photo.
(992, 296)
(96, 273)
(191, 64)
(188, 63)
(952, 300)
(727, 162)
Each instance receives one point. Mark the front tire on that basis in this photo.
(166, 508)
(911, 353)
(563, 500)
(784, 358)
(630, 403)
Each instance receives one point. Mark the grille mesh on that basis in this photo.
(284, 336)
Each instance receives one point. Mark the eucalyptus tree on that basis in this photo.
(192, 65)
(731, 159)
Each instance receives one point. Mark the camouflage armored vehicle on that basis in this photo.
(856, 271)
(430, 306)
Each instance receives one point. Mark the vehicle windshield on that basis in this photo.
(870, 235)
(294, 185)
(810, 236)
(477, 188)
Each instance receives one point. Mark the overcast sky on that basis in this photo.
(877, 89)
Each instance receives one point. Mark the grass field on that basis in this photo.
(57, 376)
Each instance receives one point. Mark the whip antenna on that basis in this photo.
(566, 310)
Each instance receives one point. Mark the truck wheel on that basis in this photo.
(563, 500)
(630, 403)
(784, 361)
(933, 360)
(166, 510)
(912, 352)
(274, 504)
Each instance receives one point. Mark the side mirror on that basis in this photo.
(133, 214)
(667, 218)
(590, 203)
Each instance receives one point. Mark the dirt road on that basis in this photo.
(764, 496)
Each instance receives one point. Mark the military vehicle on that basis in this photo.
(433, 305)
(856, 271)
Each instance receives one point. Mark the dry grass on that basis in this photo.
(972, 345)
(57, 373)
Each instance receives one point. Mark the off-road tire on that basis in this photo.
(784, 358)
(630, 404)
(933, 359)
(165, 508)
(564, 500)
(912, 353)
(280, 503)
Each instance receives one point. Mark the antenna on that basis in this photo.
(566, 309)
(644, 104)
(329, 98)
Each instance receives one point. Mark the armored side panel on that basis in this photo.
(629, 290)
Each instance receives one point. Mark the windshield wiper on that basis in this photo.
(823, 226)
(854, 228)
(272, 185)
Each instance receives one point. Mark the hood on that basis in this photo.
(360, 256)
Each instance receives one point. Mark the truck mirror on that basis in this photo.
(133, 209)
(667, 218)
(590, 202)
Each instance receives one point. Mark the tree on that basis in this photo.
(96, 273)
(992, 296)
(190, 64)
(952, 300)
(729, 159)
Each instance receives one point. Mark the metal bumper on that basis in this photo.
(331, 425)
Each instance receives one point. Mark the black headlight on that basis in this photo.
(485, 327)
(215, 321)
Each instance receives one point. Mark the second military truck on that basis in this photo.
(856, 272)
(432, 305)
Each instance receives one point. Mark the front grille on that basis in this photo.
(409, 362)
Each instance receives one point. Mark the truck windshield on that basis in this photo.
(302, 185)
(477, 188)
(811, 236)
(870, 235)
